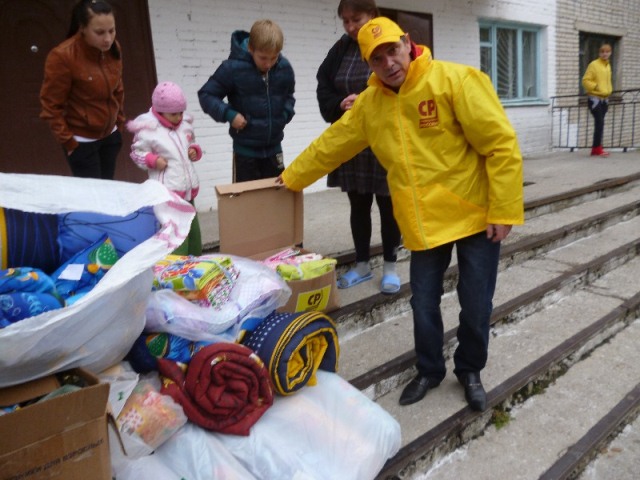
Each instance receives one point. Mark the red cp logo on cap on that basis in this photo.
(376, 31)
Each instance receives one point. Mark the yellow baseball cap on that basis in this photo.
(375, 32)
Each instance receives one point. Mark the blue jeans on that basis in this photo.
(598, 110)
(478, 268)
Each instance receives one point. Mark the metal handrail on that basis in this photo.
(572, 123)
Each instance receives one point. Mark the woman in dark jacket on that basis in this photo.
(341, 77)
(82, 94)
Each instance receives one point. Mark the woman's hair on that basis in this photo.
(82, 13)
(266, 35)
(359, 6)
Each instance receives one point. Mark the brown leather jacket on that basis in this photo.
(82, 92)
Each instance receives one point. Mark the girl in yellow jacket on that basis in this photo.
(597, 83)
(455, 175)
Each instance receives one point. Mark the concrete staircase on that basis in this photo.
(563, 377)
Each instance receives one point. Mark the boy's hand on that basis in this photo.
(161, 163)
(193, 154)
(239, 122)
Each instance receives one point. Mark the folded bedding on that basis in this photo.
(226, 387)
(294, 346)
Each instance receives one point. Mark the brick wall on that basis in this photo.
(616, 18)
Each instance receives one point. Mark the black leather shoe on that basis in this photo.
(417, 389)
(473, 390)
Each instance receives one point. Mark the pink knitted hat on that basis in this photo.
(168, 98)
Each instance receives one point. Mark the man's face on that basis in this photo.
(390, 62)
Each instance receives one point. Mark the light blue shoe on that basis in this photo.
(390, 283)
(352, 278)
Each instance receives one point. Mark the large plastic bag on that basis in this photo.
(191, 453)
(98, 330)
(257, 292)
(331, 430)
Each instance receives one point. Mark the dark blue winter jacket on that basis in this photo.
(266, 102)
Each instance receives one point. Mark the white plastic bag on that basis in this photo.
(257, 292)
(191, 453)
(98, 330)
(331, 430)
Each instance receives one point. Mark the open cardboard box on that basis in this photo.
(64, 437)
(260, 218)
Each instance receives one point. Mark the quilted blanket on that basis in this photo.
(294, 346)
(226, 387)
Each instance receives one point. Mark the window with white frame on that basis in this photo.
(510, 55)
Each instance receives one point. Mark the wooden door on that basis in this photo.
(29, 29)
(418, 25)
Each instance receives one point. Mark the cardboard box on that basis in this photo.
(260, 218)
(64, 437)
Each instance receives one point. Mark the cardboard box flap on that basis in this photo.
(41, 420)
(257, 217)
(26, 391)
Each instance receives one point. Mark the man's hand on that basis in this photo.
(497, 233)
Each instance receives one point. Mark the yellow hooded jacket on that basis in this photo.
(597, 79)
(452, 158)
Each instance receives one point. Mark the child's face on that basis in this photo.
(605, 52)
(174, 118)
(264, 59)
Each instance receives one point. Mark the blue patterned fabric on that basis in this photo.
(26, 292)
(294, 346)
(93, 262)
(18, 306)
(149, 347)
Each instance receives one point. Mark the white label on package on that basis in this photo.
(72, 272)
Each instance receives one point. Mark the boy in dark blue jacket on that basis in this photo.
(258, 83)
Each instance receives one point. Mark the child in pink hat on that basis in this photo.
(163, 144)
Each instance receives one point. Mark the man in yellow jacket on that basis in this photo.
(597, 83)
(455, 175)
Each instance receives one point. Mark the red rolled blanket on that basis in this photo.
(226, 387)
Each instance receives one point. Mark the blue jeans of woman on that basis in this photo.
(477, 271)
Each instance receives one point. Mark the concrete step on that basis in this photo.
(619, 459)
(540, 349)
(538, 431)
(561, 274)
(392, 335)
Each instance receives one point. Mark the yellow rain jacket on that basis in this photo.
(597, 79)
(452, 158)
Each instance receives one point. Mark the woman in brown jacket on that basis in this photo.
(82, 93)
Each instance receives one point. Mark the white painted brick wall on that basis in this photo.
(192, 37)
(613, 17)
